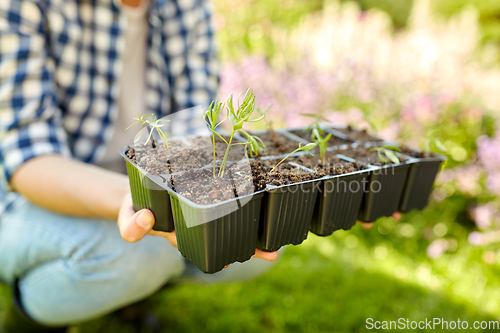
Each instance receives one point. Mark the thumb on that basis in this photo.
(137, 226)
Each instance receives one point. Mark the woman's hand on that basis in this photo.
(134, 226)
(368, 225)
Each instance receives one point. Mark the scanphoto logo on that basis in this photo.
(430, 324)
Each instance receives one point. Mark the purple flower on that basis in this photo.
(290, 91)
(476, 238)
(481, 239)
(467, 179)
(483, 215)
(437, 248)
(488, 153)
(494, 182)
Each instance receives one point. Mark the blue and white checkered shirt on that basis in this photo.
(59, 73)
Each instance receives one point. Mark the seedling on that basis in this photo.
(389, 152)
(154, 124)
(212, 120)
(238, 117)
(321, 142)
(254, 144)
(316, 124)
(307, 148)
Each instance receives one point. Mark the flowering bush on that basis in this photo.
(351, 66)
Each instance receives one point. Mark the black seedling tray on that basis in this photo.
(385, 202)
(279, 131)
(287, 213)
(327, 129)
(336, 132)
(148, 192)
(282, 215)
(420, 182)
(337, 210)
(384, 190)
(229, 236)
(224, 240)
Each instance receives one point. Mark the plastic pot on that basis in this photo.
(288, 139)
(338, 202)
(230, 237)
(286, 214)
(338, 131)
(384, 189)
(148, 192)
(420, 182)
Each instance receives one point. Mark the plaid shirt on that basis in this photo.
(60, 66)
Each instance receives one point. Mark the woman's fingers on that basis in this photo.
(269, 256)
(368, 225)
(397, 216)
(170, 236)
(134, 225)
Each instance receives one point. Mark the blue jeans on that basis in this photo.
(72, 269)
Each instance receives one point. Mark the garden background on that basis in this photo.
(395, 67)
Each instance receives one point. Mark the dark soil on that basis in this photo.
(417, 154)
(277, 144)
(236, 153)
(240, 179)
(362, 154)
(357, 135)
(334, 141)
(333, 165)
(243, 182)
(179, 157)
(155, 159)
(285, 174)
(203, 141)
(202, 188)
(190, 158)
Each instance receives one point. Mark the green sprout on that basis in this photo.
(254, 144)
(389, 152)
(307, 148)
(238, 117)
(321, 142)
(316, 124)
(154, 124)
(212, 120)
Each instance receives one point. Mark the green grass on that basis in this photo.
(335, 284)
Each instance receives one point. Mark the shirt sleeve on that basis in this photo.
(30, 120)
(191, 55)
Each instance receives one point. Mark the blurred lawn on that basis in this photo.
(334, 284)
